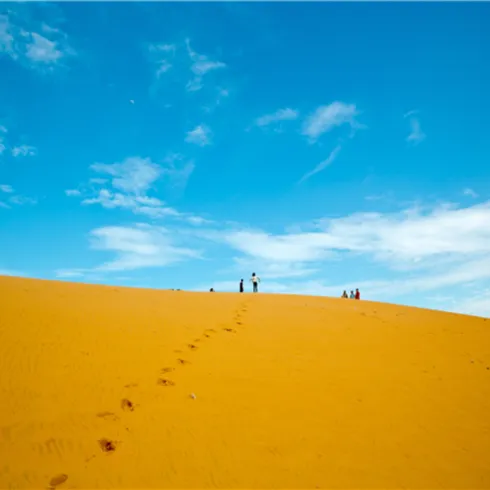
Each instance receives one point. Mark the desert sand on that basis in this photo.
(107, 387)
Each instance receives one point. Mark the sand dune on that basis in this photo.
(105, 387)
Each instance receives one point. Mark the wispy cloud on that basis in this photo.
(200, 135)
(200, 66)
(470, 192)
(178, 169)
(162, 56)
(322, 165)
(6, 188)
(12, 198)
(135, 247)
(134, 175)
(23, 151)
(129, 182)
(3, 132)
(432, 248)
(21, 200)
(15, 151)
(416, 135)
(327, 117)
(286, 114)
(41, 48)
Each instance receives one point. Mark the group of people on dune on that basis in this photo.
(356, 295)
(255, 279)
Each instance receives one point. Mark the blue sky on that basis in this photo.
(324, 146)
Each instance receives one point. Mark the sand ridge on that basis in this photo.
(106, 387)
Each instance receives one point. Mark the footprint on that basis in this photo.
(230, 330)
(192, 346)
(107, 445)
(165, 382)
(210, 330)
(131, 385)
(239, 323)
(58, 480)
(178, 351)
(207, 335)
(197, 340)
(108, 415)
(167, 370)
(127, 405)
(182, 361)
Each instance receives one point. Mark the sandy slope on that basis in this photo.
(290, 392)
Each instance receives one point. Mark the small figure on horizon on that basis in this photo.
(211, 290)
(255, 282)
(241, 285)
(344, 294)
(352, 295)
(358, 294)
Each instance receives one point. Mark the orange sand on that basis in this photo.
(289, 391)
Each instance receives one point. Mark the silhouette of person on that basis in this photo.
(352, 296)
(241, 285)
(255, 282)
(344, 294)
(358, 294)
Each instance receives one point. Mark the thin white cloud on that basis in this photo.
(324, 164)
(29, 47)
(15, 151)
(200, 135)
(200, 66)
(136, 247)
(416, 134)
(23, 151)
(144, 205)
(3, 132)
(478, 304)
(162, 56)
(21, 200)
(8, 196)
(326, 118)
(286, 114)
(470, 192)
(130, 182)
(134, 175)
(178, 170)
(444, 246)
(98, 181)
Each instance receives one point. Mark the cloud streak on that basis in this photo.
(322, 165)
(327, 117)
(286, 114)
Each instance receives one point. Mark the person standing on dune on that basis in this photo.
(255, 282)
(241, 285)
(358, 294)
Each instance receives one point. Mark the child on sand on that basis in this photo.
(352, 296)
(241, 285)
(344, 294)
(255, 281)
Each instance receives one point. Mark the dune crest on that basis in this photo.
(106, 387)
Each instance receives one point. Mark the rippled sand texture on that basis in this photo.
(104, 387)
